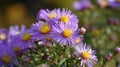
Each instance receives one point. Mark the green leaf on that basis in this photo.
(62, 61)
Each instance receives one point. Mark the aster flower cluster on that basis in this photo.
(54, 28)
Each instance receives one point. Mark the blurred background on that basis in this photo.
(102, 24)
(17, 12)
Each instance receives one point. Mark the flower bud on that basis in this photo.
(110, 21)
(26, 59)
(82, 30)
(73, 55)
(108, 56)
(117, 49)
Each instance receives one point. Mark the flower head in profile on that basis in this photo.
(65, 34)
(85, 54)
(82, 4)
(3, 35)
(6, 55)
(15, 30)
(46, 15)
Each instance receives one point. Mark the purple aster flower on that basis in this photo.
(22, 41)
(65, 16)
(82, 4)
(86, 55)
(65, 34)
(41, 31)
(15, 30)
(6, 56)
(3, 35)
(109, 3)
(46, 15)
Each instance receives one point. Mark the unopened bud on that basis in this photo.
(73, 56)
(116, 22)
(110, 21)
(117, 49)
(108, 56)
(82, 30)
(26, 59)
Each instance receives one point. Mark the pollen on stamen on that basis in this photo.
(44, 29)
(5, 59)
(16, 49)
(26, 37)
(64, 19)
(51, 15)
(85, 55)
(67, 33)
(77, 40)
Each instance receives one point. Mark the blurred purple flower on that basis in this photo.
(82, 4)
(85, 54)
(108, 3)
(3, 35)
(15, 30)
(22, 41)
(6, 55)
(46, 15)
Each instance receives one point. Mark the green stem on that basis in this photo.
(108, 60)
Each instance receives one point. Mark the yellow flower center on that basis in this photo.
(2, 36)
(51, 15)
(117, 0)
(64, 18)
(67, 33)
(103, 3)
(45, 29)
(77, 40)
(16, 49)
(85, 55)
(5, 59)
(26, 37)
